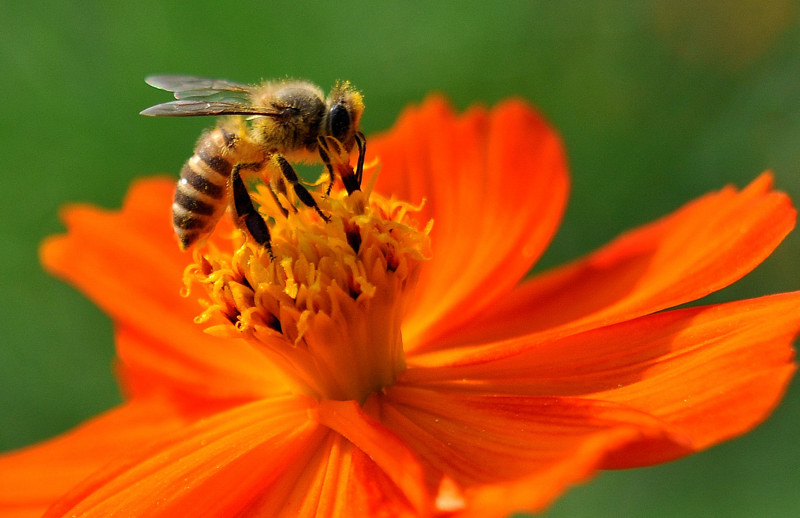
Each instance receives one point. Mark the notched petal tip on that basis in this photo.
(52, 252)
(702, 247)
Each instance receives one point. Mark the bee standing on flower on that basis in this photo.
(286, 120)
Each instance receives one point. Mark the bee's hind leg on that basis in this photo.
(250, 220)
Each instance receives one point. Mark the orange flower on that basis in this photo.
(381, 367)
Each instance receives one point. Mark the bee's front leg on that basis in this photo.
(361, 142)
(337, 160)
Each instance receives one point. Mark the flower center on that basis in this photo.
(327, 307)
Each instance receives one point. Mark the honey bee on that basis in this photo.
(285, 120)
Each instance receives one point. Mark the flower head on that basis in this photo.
(391, 361)
(326, 303)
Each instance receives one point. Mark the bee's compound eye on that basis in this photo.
(339, 121)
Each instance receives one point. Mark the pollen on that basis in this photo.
(327, 304)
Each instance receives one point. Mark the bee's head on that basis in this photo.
(345, 106)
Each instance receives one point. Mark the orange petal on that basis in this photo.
(107, 252)
(334, 480)
(384, 448)
(495, 184)
(200, 372)
(709, 373)
(703, 247)
(215, 467)
(129, 264)
(329, 477)
(500, 454)
(33, 478)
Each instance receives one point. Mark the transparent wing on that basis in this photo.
(198, 108)
(202, 96)
(186, 87)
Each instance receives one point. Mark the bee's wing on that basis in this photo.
(185, 108)
(185, 87)
(201, 96)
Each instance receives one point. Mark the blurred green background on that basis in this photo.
(658, 102)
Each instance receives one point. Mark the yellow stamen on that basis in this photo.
(328, 308)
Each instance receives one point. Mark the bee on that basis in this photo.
(288, 120)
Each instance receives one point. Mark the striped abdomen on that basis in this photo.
(202, 192)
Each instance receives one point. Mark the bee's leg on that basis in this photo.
(335, 157)
(323, 154)
(290, 175)
(275, 190)
(361, 142)
(247, 215)
(277, 200)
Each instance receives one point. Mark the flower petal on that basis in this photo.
(211, 375)
(129, 264)
(500, 454)
(334, 480)
(33, 478)
(215, 467)
(703, 247)
(385, 449)
(495, 184)
(710, 373)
